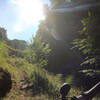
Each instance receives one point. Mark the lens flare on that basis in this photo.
(30, 10)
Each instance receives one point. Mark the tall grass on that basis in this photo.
(43, 82)
(44, 85)
(6, 63)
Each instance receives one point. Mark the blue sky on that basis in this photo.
(21, 21)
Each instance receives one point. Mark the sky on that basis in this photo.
(21, 17)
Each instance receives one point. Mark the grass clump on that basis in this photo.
(42, 81)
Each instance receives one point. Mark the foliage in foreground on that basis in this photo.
(88, 43)
(89, 46)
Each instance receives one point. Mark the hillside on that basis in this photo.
(20, 80)
(17, 44)
(26, 80)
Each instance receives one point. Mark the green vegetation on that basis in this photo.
(28, 78)
(38, 52)
(38, 70)
(42, 82)
(88, 45)
(3, 35)
(17, 44)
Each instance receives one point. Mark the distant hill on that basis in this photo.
(18, 44)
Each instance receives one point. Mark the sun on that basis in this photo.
(30, 10)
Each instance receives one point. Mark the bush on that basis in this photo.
(42, 82)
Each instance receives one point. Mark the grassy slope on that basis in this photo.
(20, 70)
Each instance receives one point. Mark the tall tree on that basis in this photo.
(38, 52)
(3, 34)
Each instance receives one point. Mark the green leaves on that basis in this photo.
(3, 34)
(39, 52)
(88, 42)
(89, 61)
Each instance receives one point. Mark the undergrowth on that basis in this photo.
(44, 85)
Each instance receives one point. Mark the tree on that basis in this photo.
(89, 42)
(38, 52)
(56, 2)
(3, 34)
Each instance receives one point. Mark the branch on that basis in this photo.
(88, 95)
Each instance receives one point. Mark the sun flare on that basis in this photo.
(30, 10)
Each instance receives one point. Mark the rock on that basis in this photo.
(5, 82)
